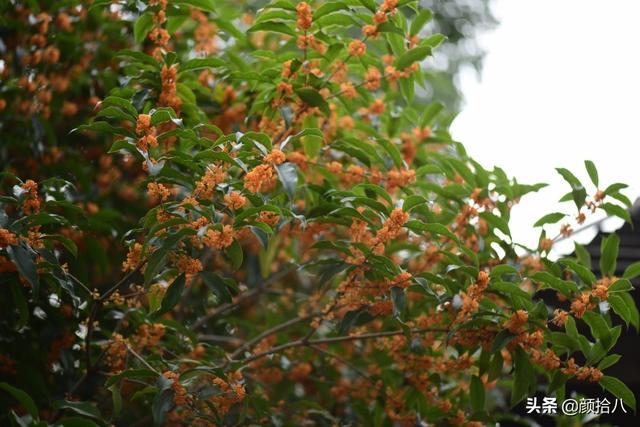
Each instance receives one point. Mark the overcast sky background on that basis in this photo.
(560, 84)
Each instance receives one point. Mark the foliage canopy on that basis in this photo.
(258, 220)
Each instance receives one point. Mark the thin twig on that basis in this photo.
(303, 343)
(274, 330)
(341, 360)
(141, 359)
(221, 338)
(224, 308)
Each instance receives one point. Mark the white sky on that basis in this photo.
(560, 84)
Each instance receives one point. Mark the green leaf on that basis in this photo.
(523, 378)
(619, 389)
(592, 171)
(328, 8)
(200, 63)
(313, 98)
(274, 27)
(163, 400)
(578, 192)
(609, 254)
(20, 303)
(122, 103)
(499, 270)
(632, 271)
(139, 56)
(288, 175)
(353, 318)
(398, 298)
(412, 201)
(392, 151)
(615, 210)
(610, 360)
(433, 41)
(620, 307)
(503, 338)
(551, 218)
(419, 20)
(416, 54)
(77, 422)
(434, 228)
(218, 284)
(69, 244)
(369, 4)
(476, 394)
(234, 252)
(430, 113)
(86, 409)
(584, 257)
(172, 295)
(621, 285)
(157, 258)
(496, 222)
(597, 324)
(24, 259)
(583, 272)
(141, 27)
(206, 5)
(24, 399)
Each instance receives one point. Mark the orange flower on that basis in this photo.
(235, 200)
(372, 78)
(143, 125)
(389, 6)
(180, 393)
(376, 107)
(158, 191)
(560, 317)
(348, 90)
(134, 257)
(517, 321)
(276, 157)
(32, 201)
(285, 88)
(380, 17)
(7, 238)
(357, 48)
(269, 218)
(370, 30)
(255, 179)
(205, 188)
(304, 16)
(219, 239)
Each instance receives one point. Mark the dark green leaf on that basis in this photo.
(416, 54)
(24, 259)
(313, 98)
(476, 394)
(172, 295)
(551, 218)
(419, 20)
(234, 252)
(22, 397)
(275, 27)
(609, 254)
(86, 409)
(592, 171)
(523, 377)
(619, 389)
(632, 271)
(141, 27)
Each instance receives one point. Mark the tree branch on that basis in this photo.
(303, 343)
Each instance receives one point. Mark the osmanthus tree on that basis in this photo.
(313, 247)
